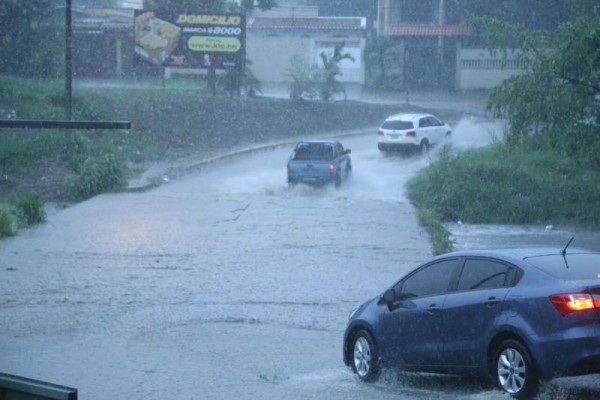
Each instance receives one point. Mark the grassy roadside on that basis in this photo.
(505, 184)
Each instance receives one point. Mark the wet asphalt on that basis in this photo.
(222, 284)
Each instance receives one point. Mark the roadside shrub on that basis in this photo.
(29, 209)
(304, 83)
(6, 221)
(98, 175)
(76, 150)
(509, 184)
(235, 82)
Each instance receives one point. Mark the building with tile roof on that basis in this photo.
(285, 35)
(427, 48)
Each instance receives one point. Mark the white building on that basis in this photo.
(276, 37)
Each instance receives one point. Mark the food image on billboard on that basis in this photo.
(155, 39)
(191, 40)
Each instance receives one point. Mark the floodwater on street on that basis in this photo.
(222, 284)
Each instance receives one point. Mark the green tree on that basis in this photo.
(261, 4)
(536, 14)
(304, 80)
(166, 6)
(32, 37)
(555, 97)
(345, 8)
(234, 81)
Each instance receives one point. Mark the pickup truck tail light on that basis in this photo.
(567, 303)
(411, 134)
(332, 168)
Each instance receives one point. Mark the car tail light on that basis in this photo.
(380, 132)
(411, 134)
(572, 302)
(332, 168)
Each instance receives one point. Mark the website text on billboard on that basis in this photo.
(191, 40)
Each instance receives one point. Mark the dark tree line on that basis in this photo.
(32, 37)
(208, 5)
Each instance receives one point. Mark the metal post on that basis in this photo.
(68, 63)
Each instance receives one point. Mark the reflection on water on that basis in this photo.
(467, 236)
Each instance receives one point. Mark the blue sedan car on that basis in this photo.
(519, 315)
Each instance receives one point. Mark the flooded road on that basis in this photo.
(222, 284)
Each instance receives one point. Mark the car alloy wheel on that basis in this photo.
(364, 359)
(515, 371)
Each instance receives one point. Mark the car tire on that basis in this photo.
(365, 359)
(337, 180)
(514, 370)
(424, 147)
(381, 147)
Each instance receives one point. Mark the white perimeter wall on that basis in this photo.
(271, 56)
(478, 69)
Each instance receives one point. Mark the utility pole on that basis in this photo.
(68, 63)
(440, 50)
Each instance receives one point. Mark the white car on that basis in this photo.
(401, 131)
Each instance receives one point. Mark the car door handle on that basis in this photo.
(433, 308)
(492, 301)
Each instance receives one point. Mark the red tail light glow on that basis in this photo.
(332, 168)
(411, 134)
(380, 132)
(573, 302)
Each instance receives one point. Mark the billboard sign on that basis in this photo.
(190, 40)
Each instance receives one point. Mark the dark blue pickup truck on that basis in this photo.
(319, 162)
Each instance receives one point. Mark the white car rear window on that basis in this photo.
(397, 125)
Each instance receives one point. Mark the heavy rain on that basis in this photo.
(172, 259)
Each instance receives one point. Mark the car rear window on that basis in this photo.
(397, 125)
(314, 151)
(574, 266)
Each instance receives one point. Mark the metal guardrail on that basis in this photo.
(37, 124)
(18, 388)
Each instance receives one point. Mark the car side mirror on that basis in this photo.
(389, 296)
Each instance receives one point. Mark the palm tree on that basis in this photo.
(330, 85)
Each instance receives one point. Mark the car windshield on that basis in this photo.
(575, 266)
(314, 152)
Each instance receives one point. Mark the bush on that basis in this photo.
(98, 175)
(6, 221)
(29, 209)
(508, 184)
(304, 83)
